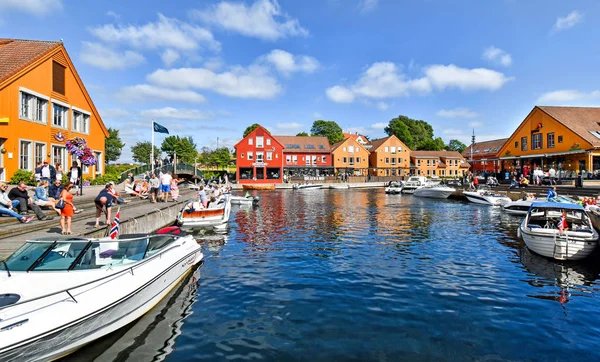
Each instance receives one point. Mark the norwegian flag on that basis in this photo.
(114, 227)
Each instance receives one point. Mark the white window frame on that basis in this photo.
(260, 157)
(43, 154)
(29, 165)
(350, 149)
(269, 156)
(251, 141)
(85, 116)
(65, 119)
(268, 141)
(393, 150)
(288, 159)
(32, 106)
(387, 149)
(99, 162)
(260, 142)
(250, 155)
(323, 159)
(64, 154)
(314, 160)
(294, 158)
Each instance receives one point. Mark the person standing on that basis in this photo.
(59, 171)
(48, 172)
(75, 176)
(147, 176)
(7, 206)
(203, 197)
(154, 184)
(174, 188)
(103, 205)
(67, 212)
(38, 172)
(20, 194)
(165, 185)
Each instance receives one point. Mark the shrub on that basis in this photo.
(23, 175)
(104, 179)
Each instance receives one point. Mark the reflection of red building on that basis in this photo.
(259, 158)
(485, 156)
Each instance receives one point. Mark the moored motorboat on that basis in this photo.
(486, 197)
(394, 187)
(542, 232)
(520, 207)
(60, 293)
(244, 200)
(258, 187)
(306, 186)
(194, 214)
(413, 183)
(439, 191)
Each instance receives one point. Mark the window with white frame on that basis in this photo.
(260, 156)
(418, 162)
(268, 141)
(307, 160)
(288, 159)
(351, 149)
(25, 155)
(314, 160)
(250, 155)
(40, 152)
(550, 140)
(269, 156)
(59, 155)
(33, 108)
(260, 142)
(387, 160)
(60, 115)
(81, 122)
(393, 150)
(428, 162)
(536, 141)
(323, 159)
(344, 149)
(344, 160)
(99, 162)
(251, 141)
(386, 149)
(294, 159)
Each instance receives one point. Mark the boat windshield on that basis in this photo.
(81, 254)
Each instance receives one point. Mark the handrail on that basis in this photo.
(118, 274)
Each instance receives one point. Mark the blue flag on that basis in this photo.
(160, 129)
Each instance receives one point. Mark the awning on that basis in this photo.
(543, 155)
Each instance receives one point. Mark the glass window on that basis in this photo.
(269, 156)
(81, 122)
(250, 141)
(288, 158)
(33, 108)
(393, 149)
(59, 155)
(536, 141)
(268, 141)
(344, 160)
(387, 160)
(428, 162)
(40, 152)
(523, 143)
(60, 115)
(260, 156)
(324, 159)
(517, 144)
(560, 139)
(260, 141)
(294, 159)
(550, 140)
(25, 155)
(351, 149)
(386, 149)
(250, 155)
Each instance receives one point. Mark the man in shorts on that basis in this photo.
(103, 204)
(154, 184)
(165, 185)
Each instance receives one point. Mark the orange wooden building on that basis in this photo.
(350, 157)
(389, 157)
(43, 103)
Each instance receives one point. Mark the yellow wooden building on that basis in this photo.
(389, 157)
(350, 157)
(560, 140)
(443, 164)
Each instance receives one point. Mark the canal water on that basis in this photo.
(357, 275)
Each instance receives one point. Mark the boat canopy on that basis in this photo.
(557, 205)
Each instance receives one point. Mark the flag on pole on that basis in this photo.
(160, 128)
(114, 227)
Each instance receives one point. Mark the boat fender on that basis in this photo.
(170, 230)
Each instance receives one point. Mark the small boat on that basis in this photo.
(258, 187)
(306, 186)
(594, 213)
(244, 200)
(435, 191)
(486, 197)
(60, 293)
(339, 186)
(541, 234)
(194, 215)
(394, 187)
(413, 183)
(520, 207)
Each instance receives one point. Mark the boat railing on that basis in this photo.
(117, 275)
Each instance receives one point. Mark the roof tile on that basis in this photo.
(16, 54)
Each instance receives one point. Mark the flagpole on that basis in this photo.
(152, 149)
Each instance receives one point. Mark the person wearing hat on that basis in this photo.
(103, 204)
(48, 172)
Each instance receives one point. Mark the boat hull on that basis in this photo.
(569, 245)
(205, 217)
(258, 187)
(39, 340)
(434, 193)
(478, 198)
(393, 190)
(307, 187)
(410, 189)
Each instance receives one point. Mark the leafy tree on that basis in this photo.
(249, 129)
(141, 152)
(328, 129)
(185, 148)
(420, 131)
(399, 129)
(302, 134)
(113, 145)
(456, 145)
(433, 145)
(221, 157)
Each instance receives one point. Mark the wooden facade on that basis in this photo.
(43, 103)
(389, 157)
(483, 156)
(259, 158)
(350, 158)
(439, 164)
(306, 157)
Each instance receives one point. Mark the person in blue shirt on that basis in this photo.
(551, 193)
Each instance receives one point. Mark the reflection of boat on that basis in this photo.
(520, 207)
(70, 291)
(413, 183)
(435, 191)
(486, 197)
(339, 186)
(258, 187)
(244, 200)
(194, 214)
(563, 273)
(540, 233)
(306, 186)
(394, 187)
(152, 337)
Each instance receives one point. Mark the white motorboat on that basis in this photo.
(339, 186)
(306, 186)
(486, 197)
(194, 215)
(413, 183)
(244, 200)
(60, 293)
(541, 234)
(394, 187)
(439, 191)
(520, 207)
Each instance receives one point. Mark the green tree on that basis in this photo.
(399, 129)
(184, 148)
(420, 131)
(433, 145)
(328, 129)
(456, 145)
(302, 134)
(249, 129)
(221, 157)
(141, 152)
(112, 145)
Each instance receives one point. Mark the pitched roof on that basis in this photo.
(433, 154)
(581, 120)
(336, 145)
(378, 142)
(304, 144)
(16, 54)
(485, 148)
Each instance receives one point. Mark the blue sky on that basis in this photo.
(209, 69)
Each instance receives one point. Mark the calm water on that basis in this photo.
(359, 275)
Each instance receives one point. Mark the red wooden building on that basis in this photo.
(259, 158)
(485, 156)
(306, 157)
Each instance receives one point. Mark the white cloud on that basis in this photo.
(240, 82)
(382, 106)
(113, 15)
(169, 57)
(100, 56)
(263, 19)
(36, 7)
(287, 63)
(366, 6)
(475, 124)
(292, 126)
(497, 56)
(165, 33)
(114, 113)
(384, 80)
(145, 92)
(317, 115)
(174, 113)
(215, 64)
(379, 125)
(567, 95)
(457, 113)
(568, 21)
(340, 94)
